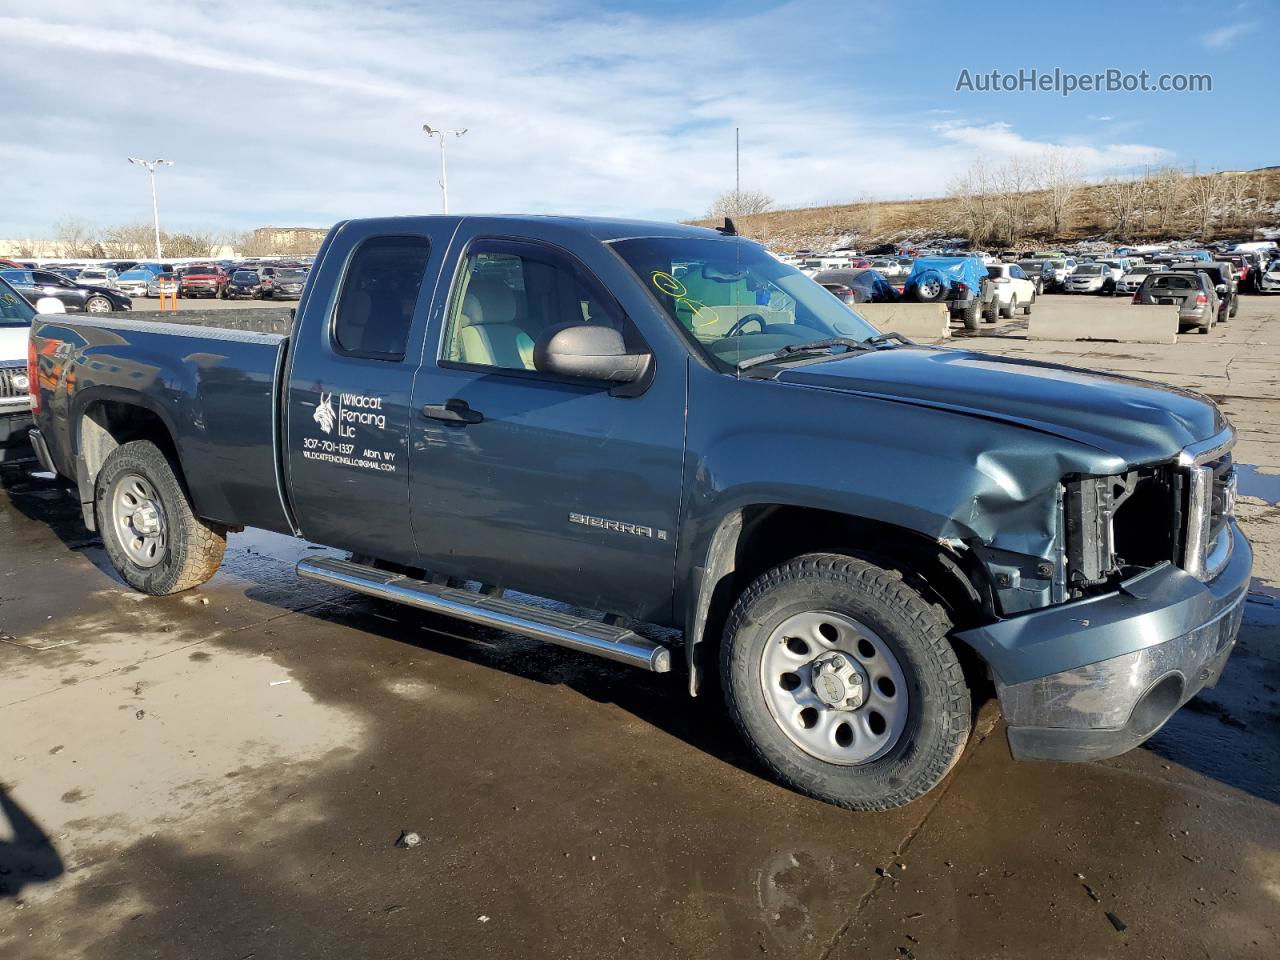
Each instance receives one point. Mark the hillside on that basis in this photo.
(1164, 205)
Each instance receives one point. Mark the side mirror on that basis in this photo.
(1221, 288)
(50, 305)
(588, 351)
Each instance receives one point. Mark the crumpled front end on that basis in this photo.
(1097, 675)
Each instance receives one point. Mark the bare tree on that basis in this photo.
(201, 244)
(1205, 193)
(129, 240)
(1015, 180)
(74, 238)
(974, 202)
(1165, 190)
(1060, 175)
(739, 203)
(1120, 200)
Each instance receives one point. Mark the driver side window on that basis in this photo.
(509, 292)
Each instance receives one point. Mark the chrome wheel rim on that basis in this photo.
(930, 288)
(834, 688)
(139, 520)
(99, 305)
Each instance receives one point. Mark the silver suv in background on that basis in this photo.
(1190, 291)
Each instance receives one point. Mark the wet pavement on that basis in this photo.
(225, 774)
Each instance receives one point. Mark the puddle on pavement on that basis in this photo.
(1255, 483)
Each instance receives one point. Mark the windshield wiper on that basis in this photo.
(795, 350)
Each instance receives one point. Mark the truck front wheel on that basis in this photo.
(841, 679)
(150, 533)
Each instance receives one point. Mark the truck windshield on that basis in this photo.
(14, 309)
(734, 300)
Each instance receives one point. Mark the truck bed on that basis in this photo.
(210, 377)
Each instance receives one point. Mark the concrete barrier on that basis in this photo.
(919, 321)
(1101, 318)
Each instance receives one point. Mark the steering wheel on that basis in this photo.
(740, 325)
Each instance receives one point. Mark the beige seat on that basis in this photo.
(487, 332)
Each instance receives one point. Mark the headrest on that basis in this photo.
(489, 300)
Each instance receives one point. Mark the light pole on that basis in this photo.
(155, 210)
(431, 131)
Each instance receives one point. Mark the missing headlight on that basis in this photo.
(1105, 543)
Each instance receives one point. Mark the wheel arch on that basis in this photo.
(103, 424)
(751, 539)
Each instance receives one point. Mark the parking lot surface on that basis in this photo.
(231, 773)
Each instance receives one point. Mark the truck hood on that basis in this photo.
(13, 343)
(1140, 422)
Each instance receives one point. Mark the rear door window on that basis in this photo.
(378, 297)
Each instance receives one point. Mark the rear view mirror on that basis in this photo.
(588, 351)
(712, 272)
(50, 305)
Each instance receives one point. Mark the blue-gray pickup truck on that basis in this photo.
(857, 537)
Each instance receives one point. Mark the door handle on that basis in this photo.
(452, 411)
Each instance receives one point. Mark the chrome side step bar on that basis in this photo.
(565, 630)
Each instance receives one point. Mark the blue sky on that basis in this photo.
(285, 112)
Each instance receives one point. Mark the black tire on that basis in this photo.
(193, 547)
(991, 310)
(1235, 306)
(938, 713)
(1026, 307)
(1007, 310)
(970, 315)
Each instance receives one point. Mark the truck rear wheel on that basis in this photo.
(841, 679)
(153, 539)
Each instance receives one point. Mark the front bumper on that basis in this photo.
(1095, 678)
(14, 427)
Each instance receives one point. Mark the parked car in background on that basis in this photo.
(858, 286)
(1040, 273)
(1268, 280)
(1062, 268)
(282, 283)
(201, 280)
(134, 280)
(16, 315)
(1222, 276)
(75, 297)
(889, 269)
(157, 280)
(1131, 281)
(1091, 278)
(99, 277)
(958, 282)
(1190, 291)
(244, 284)
(1009, 289)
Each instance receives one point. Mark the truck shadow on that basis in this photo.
(660, 700)
(29, 856)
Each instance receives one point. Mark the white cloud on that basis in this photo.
(1001, 141)
(288, 112)
(1224, 37)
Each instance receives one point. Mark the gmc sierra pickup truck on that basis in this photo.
(656, 424)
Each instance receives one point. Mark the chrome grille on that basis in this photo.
(13, 382)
